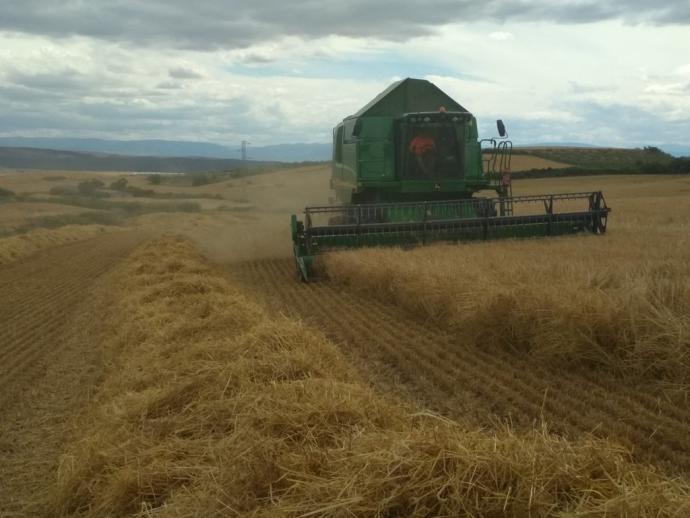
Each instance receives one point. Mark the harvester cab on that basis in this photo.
(406, 169)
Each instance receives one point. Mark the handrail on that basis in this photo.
(432, 204)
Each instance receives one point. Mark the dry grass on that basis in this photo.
(211, 407)
(14, 248)
(23, 181)
(16, 215)
(621, 300)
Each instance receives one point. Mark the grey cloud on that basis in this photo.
(65, 87)
(30, 112)
(169, 85)
(67, 79)
(256, 59)
(17, 94)
(221, 24)
(184, 73)
(68, 101)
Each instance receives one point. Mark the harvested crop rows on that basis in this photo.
(38, 296)
(45, 370)
(479, 386)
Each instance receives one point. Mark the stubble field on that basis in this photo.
(194, 375)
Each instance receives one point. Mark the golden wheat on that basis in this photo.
(212, 407)
(621, 300)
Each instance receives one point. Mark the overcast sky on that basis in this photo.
(278, 71)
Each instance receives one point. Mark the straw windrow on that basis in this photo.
(212, 407)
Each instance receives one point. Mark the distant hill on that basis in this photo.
(292, 152)
(32, 158)
(174, 148)
(649, 159)
(556, 144)
(676, 150)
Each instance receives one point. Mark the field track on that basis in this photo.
(45, 358)
(482, 387)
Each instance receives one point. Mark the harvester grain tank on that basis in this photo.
(406, 170)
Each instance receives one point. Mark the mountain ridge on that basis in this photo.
(48, 159)
(297, 152)
(291, 152)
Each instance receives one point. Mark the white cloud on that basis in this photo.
(666, 88)
(501, 35)
(683, 70)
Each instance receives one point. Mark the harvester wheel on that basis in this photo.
(600, 218)
(600, 223)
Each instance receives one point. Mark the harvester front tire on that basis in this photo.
(600, 224)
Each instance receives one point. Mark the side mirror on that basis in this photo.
(501, 128)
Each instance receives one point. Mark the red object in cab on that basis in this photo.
(422, 144)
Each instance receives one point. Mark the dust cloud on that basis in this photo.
(256, 223)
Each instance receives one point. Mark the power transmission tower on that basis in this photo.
(243, 149)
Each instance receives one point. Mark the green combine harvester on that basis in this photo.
(406, 168)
